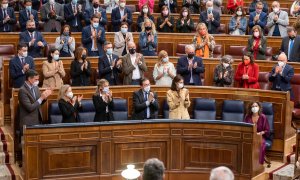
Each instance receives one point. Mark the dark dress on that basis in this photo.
(166, 27)
(262, 125)
(140, 21)
(185, 28)
(100, 107)
(68, 111)
(79, 77)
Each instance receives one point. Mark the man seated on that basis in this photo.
(28, 14)
(258, 17)
(154, 169)
(7, 17)
(278, 20)
(211, 18)
(290, 45)
(34, 40)
(145, 102)
(190, 67)
(19, 65)
(221, 173)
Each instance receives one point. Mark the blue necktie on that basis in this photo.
(146, 99)
(290, 48)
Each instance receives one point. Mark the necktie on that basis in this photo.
(110, 62)
(23, 61)
(33, 93)
(146, 99)
(290, 48)
(52, 7)
(28, 14)
(4, 16)
(95, 40)
(95, 11)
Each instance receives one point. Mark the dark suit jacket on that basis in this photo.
(116, 18)
(106, 72)
(30, 108)
(79, 77)
(24, 18)
(252, 6)
(34, 50)
(70, 18)
(283, 81)
(68, 111)
(261, 55)
(87, 40)
(90, 12)
(100, 107)
(139, 106)
(15, 70)
(263, 17)
(295, 53)
(182, 69)
(215, 24)
(9, 25)
(172, 6)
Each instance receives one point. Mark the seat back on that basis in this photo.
(180, 49)
(204, 109)
(120, 110)
(237, 52)
(233, 110)
(54, 114)
(87, 113)
(263, 80)
(7, 50)
(295, 83)
(48, 47)
(267, 109)
(166, 109)
(222, 29)
(269, 53)
(218, 51)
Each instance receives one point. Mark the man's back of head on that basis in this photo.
(221, 173)
(153, 169)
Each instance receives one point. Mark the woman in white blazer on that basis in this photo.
(122, 38)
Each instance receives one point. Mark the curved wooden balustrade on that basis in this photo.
(189, 149)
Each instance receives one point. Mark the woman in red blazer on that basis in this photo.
(247, 71)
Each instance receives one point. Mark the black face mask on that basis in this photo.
(95, 5)
(191, 55)
(148, 28)
(292, 37)
(83, 56)
(31, 29)
(131, 51)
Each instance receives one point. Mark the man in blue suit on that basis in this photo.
(93, 37)
(7, 17)
(211, 18)
(258, 17)
(281, 75)
(34, 40)
(190, 67)
(28, 14)
(121, 14)
(96, 9)
(74, 14)
(19, 65)
(109, 65)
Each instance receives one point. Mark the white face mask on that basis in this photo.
(105, 89)
(51, 1)
(56, 57)
(36, 83)
(184, 14)
(145, 10)
(25, 54)
(280, 63)
(4, 6)
(147, 89)
(255, 109)
(122, 5)
(69, 95)
(239, 13)
(256, 34)
(166, 59)
(180, 85)
(276, 10)
(225, 65)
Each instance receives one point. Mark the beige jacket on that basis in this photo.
(53, 74)
(119, 42)
(178, 104)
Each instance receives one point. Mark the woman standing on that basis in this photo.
(257, 44)
(223, 73)
(185, 23)
(80, 68)
(65, 43)
(148, 38)
(164, 71)
(178, 99)
(121, 40)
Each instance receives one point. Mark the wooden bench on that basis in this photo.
(188, 149)
(280, 100)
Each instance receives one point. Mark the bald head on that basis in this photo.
(282, 57)
(209, 4)
(189, 49)
(131, 45)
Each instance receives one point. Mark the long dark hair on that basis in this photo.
(249, 108)
(162, 9)
(185, 9)
(176, 79)
(51, 50)
(148, 13)
(250, 55)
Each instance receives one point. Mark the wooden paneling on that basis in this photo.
(190, 155)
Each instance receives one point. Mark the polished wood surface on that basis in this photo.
(280, 100)
(188, 149)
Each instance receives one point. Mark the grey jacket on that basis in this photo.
(283, 22)
(52, 23)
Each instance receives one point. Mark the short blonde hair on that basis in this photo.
(201, 25)
(62, 91)
(147, 20)
(161, 54)
(101, 83)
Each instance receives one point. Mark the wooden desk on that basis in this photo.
(188, 149)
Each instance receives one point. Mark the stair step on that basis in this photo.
(284, 173)
(7, 173)
(6, 158)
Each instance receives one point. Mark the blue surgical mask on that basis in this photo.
(209, 9)
(56, 57)
(28, 8)
(95, 25)
(124, 30)
(109, 51)
(74, 1)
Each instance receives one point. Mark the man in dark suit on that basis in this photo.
(121, 14)
(96, 9)
(109, 65)
(28, 14)
(258, 17)
(34, 40)
(281, 75)
(211, 18)
(19, 65)
(190, 67)
(31, 99)
(74, 14)
(7, 17)
(145, 102)
(290, 45)
(93, 37)
(52, 13)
